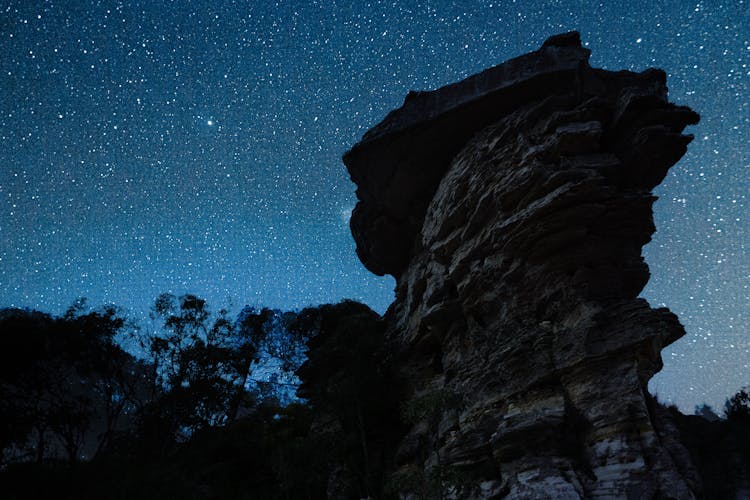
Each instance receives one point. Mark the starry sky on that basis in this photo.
(194, 146)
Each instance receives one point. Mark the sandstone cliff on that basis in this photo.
(511, 208)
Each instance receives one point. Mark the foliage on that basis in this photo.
(349, 385)
(182, 423)
(719, 449)
(277, 352)
(267, 455)
(706, 412)
(738, 406)
(196, 368)
(64, 382)
(429, 409)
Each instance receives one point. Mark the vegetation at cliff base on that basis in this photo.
(263, 404)
(208, 406)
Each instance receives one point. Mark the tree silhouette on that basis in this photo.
(62, 382)
(195, 367)
(347, 381)
(251, 332)
(738, 406)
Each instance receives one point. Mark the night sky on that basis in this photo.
(194, 146)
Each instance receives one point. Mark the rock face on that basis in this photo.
(511, 208)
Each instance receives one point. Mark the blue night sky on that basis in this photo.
(194, 146)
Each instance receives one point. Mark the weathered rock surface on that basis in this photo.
(512, 208)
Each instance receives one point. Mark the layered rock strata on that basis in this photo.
(511, 208)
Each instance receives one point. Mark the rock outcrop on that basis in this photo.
(511, 208)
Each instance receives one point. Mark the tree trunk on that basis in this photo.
(365, 452)
(40, 445)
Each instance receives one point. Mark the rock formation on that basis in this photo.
(511, 208)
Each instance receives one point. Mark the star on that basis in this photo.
(298, 90)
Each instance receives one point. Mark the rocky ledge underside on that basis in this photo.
(512, 208)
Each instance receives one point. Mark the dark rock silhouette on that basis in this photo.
(511, 208)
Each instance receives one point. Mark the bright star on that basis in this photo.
(210, 123)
